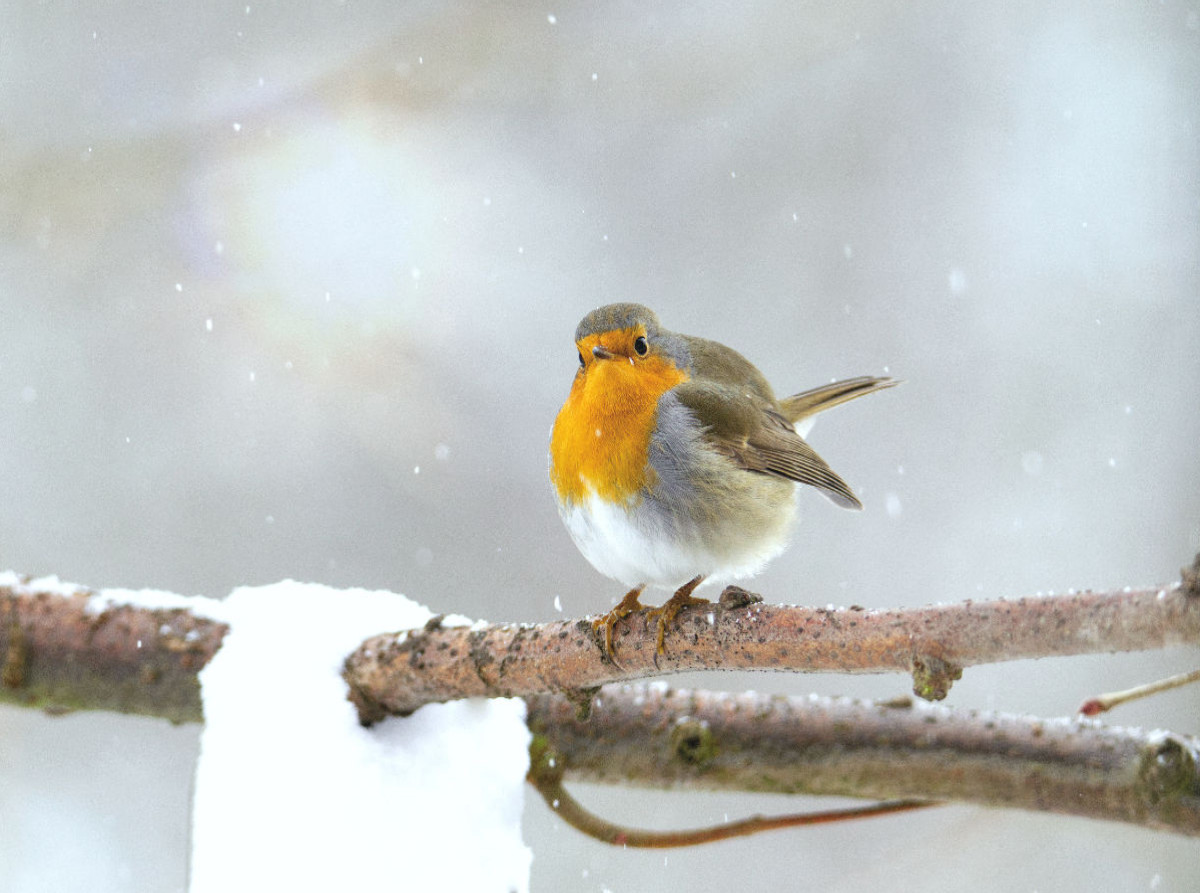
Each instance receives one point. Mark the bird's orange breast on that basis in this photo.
(601, 439)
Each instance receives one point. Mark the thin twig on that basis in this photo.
(1104, 703)
(546, 776)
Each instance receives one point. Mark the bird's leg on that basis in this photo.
(682, 598)
(627, 606)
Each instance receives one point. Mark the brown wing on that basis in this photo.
(745, 427)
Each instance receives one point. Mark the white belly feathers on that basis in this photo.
(632, 545)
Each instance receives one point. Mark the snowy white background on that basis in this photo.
(288, 292)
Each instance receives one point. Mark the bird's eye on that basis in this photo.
(581, 359)
(641, 346)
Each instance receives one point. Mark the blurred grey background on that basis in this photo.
(288, 291)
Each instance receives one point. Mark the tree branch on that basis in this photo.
(656, 737)
(65, 648)
(547, 769)
(395, 674)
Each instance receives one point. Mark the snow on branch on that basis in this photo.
(291, 791)
(66, 647)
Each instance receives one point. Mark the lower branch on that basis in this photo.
(656, 737)
(546, 775)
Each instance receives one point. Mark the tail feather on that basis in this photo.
(800, 407)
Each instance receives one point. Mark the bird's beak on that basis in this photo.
(600, 352)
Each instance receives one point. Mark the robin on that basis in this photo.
(674, 463)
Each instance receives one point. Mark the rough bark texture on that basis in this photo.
(395, 674)
(653, 736)
(60, 654)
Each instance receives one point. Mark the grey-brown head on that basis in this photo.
(615, 317)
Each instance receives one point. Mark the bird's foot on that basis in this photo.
(682, 598)
(606, 622)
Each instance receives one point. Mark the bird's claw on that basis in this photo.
(670, 609)
(624, 608)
